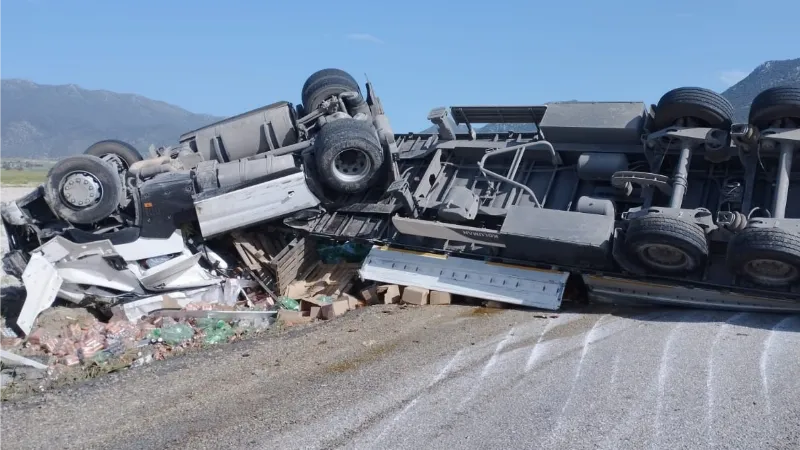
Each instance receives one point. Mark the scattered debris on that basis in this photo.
(415, 295)
(440, 298)
(494, 304)
(16, 360)
(274, 257)
(391, 294)
(258, 279)
(134, 332)
(349, 252)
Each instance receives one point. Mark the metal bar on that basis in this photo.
(512, 173)
(574, 193)
(489, 173)
(292, 148)
(749, 185)
(782, 180)
(449, 182)
(647, 191)
(512, 196)
(549, 187)
(706, 188)
(679, 180)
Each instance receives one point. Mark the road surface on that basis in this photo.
(451, 377)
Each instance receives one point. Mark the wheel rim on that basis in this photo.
(351, 165)
(771, 271)
(118, 162)
(81, 190)
(664, 257)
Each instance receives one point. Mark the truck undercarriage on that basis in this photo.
(576, 203)
(671, 203)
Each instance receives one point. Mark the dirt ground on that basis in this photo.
(446, 377)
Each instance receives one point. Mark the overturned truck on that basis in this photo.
(671, 203)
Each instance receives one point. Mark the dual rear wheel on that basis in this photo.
(769, 256)
(765, 256)
(347, 152)
(664, 244)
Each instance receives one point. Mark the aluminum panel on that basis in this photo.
(473, 278)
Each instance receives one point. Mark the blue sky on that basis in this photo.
(225, 57)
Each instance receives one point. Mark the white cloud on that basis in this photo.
(731, 77)
(364, 37)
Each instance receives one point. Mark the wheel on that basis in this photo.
(666, 245)
(122, 155)
(83, 189)
(704, 105)
(321, 85)
(348, 155)
(115, 151)
(775, 104)
(765, 256)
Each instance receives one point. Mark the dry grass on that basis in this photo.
(22, 177)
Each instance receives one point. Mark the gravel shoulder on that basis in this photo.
(450, 377)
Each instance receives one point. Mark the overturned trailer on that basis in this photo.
(669, 203)
(672, 203)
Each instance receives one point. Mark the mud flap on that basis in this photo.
(505, 283)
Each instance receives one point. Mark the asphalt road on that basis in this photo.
(451, 377)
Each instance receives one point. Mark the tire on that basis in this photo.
(322, 84)
(126, 152)
(775, 104)
(766, 256)
(708, 107)
(652, 237)
(94, 171)
(348, 156)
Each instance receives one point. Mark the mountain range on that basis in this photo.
(48, 122)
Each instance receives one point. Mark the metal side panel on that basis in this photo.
(41, 282)
(254, 204)
(144, 248)
(447, 231)
(166, 272)
(479, 279)
(617, 290)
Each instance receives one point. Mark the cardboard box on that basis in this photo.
(344, 303)
(370, 295)
(293, 317)
(415, 295)
(440, 298)
(309, 305)
(392, 294)
(334, 309)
